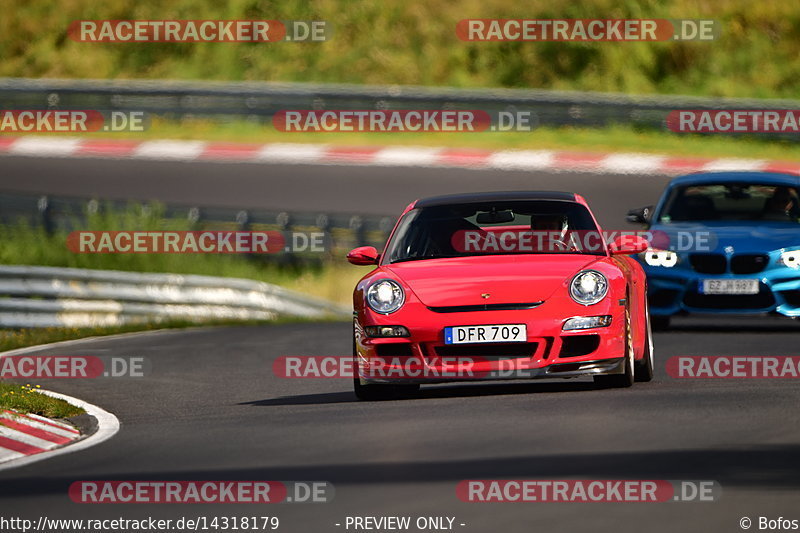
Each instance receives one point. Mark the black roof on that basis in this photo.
(480, 197)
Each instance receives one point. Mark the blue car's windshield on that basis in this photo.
(732, 202)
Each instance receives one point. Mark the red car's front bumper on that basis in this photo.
(549, 352)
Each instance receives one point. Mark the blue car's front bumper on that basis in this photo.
(677, 289)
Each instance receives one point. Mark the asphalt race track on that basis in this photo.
(211, 409)
(327, 188)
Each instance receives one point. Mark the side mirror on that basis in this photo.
(640, 216)
(363, 255)
(628, 244)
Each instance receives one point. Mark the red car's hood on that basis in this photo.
(507, 278)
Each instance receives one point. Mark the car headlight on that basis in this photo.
(790, 259)
(588, 287)
(385, 296)
(660, 258)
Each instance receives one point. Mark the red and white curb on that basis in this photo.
(402, 156)
(22, 435)
(26, 439)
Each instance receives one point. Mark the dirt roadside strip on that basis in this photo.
(407, 156)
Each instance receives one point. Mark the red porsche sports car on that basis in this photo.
(499, 285)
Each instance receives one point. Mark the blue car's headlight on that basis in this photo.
(660, 258)
(385, 296)
(790, 259)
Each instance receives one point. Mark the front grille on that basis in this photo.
(792, 297)
(662, 298)
(761, 300)
(396, 349)
(578, 345)
(484, 307)
(708, 263)
(508, 350)
(749, 263)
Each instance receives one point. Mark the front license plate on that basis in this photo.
(488, 333)
(729, 286)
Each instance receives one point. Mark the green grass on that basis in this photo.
(25, 399)
(414, 43)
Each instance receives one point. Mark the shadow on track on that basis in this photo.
(435, 391)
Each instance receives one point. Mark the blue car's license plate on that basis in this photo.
(729, 286)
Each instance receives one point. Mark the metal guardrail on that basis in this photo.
(259, 101)
(34, 296)
(342, 231)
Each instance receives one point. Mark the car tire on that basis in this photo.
(643, 370)
(624, 380)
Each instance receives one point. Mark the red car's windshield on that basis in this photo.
(495, 228)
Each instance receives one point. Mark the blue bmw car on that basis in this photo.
(723, 242)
